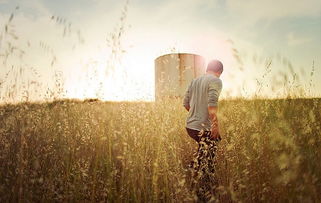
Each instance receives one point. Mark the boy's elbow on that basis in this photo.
(212, 103)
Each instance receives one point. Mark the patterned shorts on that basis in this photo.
(204, 181)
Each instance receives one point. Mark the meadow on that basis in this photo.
(94, 151)
(69, 150)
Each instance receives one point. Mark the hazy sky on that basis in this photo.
(287, 31)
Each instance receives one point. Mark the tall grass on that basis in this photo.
(121, 152)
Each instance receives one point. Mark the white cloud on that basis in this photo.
(274, 9)
(294, 40)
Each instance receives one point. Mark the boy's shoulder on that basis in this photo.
(213, 78)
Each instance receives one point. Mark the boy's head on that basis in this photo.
(215, 66)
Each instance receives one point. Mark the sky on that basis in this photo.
(245, 35)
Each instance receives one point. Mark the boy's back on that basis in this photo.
(201, 93)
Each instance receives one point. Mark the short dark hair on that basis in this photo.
(215, 66)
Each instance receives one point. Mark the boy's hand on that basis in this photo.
(215, 134)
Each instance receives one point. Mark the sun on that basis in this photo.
(130, 79)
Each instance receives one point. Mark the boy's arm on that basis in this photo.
(212, 110)
(214, 90)
(187, 97)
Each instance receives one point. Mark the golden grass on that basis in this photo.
(139, 152)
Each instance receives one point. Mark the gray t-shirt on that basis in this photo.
(201, 93)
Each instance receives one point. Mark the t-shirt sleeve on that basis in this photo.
(187, 95)
(214, 91)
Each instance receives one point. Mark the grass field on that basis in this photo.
(139, 152)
